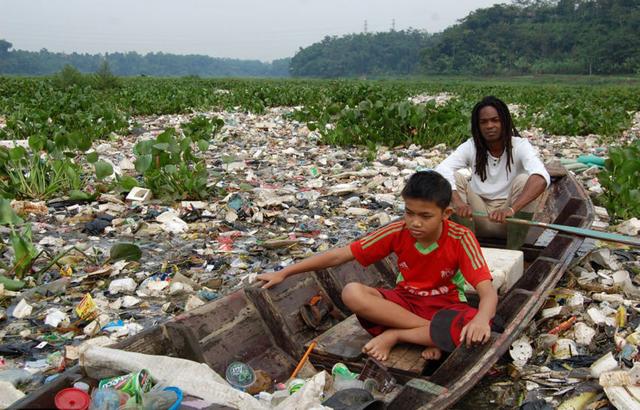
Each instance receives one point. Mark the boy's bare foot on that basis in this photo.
(380, 346)
(431, 353)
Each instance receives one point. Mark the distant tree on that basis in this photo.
(103, 78)
(280, 68)
(68, 77)
(4, 47)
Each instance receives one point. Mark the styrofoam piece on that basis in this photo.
(9, 394)
(506, 266)
(55, 317)
(608, 297)
(125, 285)
(606, 363)
(521, 351)
(596, 316)
(623, 398)
(172, 223)
(564, 349)
(138, 194)
(22, 310)
(550, 312)
(583, 333)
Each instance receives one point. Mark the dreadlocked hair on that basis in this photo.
(508, 130)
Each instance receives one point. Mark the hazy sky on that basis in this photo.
(247, 29)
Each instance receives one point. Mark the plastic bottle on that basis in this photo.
(342, 370)
(105, 399)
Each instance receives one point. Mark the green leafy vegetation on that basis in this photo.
(171, 167)
(61, 124)
(621, 181)
(29, 176)
(125, 251)
(24, 251)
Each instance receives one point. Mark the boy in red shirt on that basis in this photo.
(435, 256)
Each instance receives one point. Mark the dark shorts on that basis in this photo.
(445, 312)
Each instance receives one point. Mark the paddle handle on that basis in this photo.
(587, 233)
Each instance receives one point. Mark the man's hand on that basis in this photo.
(272, 278)
(500, 215)
(477, 330)
(462, 209)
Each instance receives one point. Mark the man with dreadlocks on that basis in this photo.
(507, 174)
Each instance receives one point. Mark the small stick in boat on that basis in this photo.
(304, 359)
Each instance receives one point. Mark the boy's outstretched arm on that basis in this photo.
(332, 257)
(478, 330)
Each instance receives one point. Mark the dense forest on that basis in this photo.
(526, 37)
(44, 62)
(396, 53)
(562, 37)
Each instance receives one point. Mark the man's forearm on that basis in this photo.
(533, 188)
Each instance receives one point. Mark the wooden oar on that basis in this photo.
(587, 233)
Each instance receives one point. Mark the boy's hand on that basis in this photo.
(477, 330)
(272, 278)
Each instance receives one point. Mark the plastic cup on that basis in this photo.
(240, 375)
(343, 383)
(295, 385)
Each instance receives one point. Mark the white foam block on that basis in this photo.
(139, 194)
(506, 268)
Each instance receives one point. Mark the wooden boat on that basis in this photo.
(264, 328)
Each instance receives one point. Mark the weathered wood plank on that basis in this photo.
(345, 341)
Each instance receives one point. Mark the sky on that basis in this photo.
(245, 29)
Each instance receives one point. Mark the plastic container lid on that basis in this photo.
(81, 386)
(72, 399)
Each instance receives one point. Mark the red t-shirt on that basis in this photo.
(437, 270)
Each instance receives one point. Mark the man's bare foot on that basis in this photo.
(431, 353)
(380, 346)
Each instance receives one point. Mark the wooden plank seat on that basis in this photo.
(344, 342)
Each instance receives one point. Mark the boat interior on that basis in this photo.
(271, 329)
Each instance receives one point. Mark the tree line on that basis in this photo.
(537, 36)
(525, 37)
(396, 53)
(44, 62)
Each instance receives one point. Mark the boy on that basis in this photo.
(435, 255)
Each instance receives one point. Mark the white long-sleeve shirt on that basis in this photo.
(498, 181)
